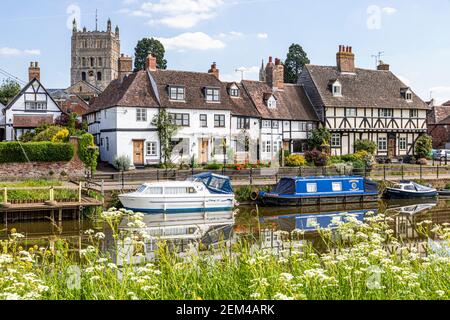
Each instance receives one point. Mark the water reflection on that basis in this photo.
(209, 230)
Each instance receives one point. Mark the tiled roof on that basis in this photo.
(31, 121)
(242, 105)
(194, 84)
(366, 88)
(292, 101)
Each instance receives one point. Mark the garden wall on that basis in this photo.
(56, 170)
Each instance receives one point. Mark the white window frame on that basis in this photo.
(272, 103)
(203, 118)
(267, 124)
(151, 148)
(337, 89)
(212, 94)
(219, 121)
(336, 186)
(177, 93)
(183, 119)
(141, 115)
(382, 144)
(267, 146)
(402, 143)
(275, 124)
(336, 140)
(413, 113)
(386, 113)
(311, 187)
(351, 112)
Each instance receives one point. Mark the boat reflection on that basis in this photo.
(178, 233)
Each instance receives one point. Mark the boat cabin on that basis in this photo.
(313, 186)
(214, 183)
(166, 189)
(410, 186)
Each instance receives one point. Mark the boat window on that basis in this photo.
(176, 190)
(311, 222)
(192, 190)
(337, 186)
(141, 188)
(154, 190)
(311, 187)
(398, 186)
(216, 183)
(410, 188)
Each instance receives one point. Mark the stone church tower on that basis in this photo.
(95, 56)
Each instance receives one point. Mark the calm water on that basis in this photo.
(249, 220)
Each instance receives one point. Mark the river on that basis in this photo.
(406, 216)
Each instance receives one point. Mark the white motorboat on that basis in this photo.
(202, 193)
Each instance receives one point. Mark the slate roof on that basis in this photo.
(366, 88)
(242, 105)
(292, 102)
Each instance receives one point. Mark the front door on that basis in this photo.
(203, 152)
(138, 152)
(392, 146)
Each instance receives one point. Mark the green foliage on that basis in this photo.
(146, 46)
(122, 163)
(424, 146)
(243, 194)
(35, 152)
(295, 61)
(320, 137)
(214, 166)
(166, 130)
(47, 134)
(88, 151)
(317, 158)
(8, 90)
(295, 160)
(365, 145)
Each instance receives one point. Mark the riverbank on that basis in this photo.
(360, 263)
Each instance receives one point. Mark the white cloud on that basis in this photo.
(262, 35)
(181, 14)
(440, 94)
(5, 51)
(250, 73)
(231, 35)
(192, 41)
(389, 10)
(128, 2)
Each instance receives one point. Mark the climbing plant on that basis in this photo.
(88, 151)
(166, 130)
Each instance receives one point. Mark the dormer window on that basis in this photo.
(234, 91)
(270, 101)
(407, 94)
(177, 93)
(336, 88)
(212, 94)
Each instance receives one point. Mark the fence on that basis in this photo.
(272, 175)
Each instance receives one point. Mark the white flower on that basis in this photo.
(89, 232)
(255, 295)
(280, 296)
(286, 276)
(100, 235)
(440, 293)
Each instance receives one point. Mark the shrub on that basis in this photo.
(87, 151)
(122, 163)
(424, 146)
(47, 134)
(349, 158)
(317, 157)
(295, 160)
(213, 166)
(35, 152)
(319, 138)
(61, 136)
(365, 145)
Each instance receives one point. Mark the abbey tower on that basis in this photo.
(95, 56)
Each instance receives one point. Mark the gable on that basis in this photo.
(83, 87)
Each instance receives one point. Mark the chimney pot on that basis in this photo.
(34, 72)
(214, 71)
(345, 59)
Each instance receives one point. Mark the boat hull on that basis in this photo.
(401, 194)
(280, 200)
(175, 205)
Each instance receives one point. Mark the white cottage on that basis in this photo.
(31, 108)
(121, 117)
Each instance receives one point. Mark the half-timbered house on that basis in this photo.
(356, 104)
(32, 107)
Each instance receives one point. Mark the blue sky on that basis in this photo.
(238, 34)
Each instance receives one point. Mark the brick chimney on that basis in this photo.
(275, 74)
(34, 71)
(345, 59)
(150, 63)
(214, 71)
(125, 66)
(383, 66)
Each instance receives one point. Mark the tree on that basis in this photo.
(8, 90)
(166, 130)
(424, 146)
(319, 139)
(295, 61)
(146, 46)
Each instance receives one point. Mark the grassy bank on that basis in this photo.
(358, 265)
(36, 195)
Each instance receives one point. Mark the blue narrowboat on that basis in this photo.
(300, 191)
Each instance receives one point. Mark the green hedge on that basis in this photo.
(35, 151)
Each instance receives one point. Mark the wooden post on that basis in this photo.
(403, 173)
(79, 192)
(52, 195)
(5, 195)
(384, 172)
(60, 215)
(437, 171)
(420, 171)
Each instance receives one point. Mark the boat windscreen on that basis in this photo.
(219, 184)
(285, 186)
(421, 188)
(141, 188)
(370, 186)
